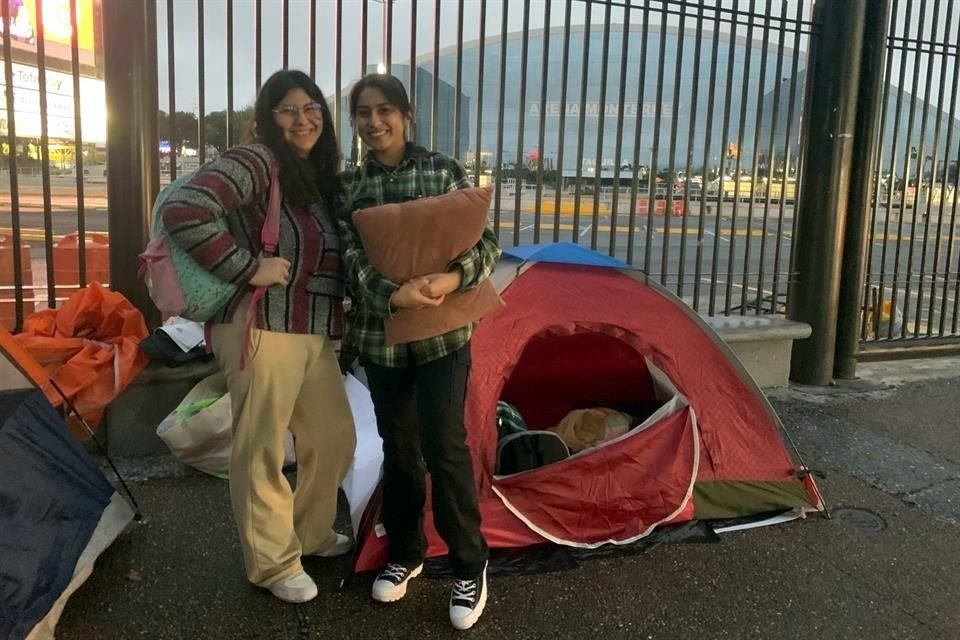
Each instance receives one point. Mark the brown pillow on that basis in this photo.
(419, 237)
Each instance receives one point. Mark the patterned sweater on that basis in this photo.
(237, 186)
(421, 173)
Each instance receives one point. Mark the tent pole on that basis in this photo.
(137, 516)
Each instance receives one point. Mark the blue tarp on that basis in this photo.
(564, 253)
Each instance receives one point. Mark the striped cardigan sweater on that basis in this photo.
(237, 187)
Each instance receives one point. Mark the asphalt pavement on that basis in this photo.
(885, 565)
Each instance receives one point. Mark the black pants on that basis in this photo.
(420, 418)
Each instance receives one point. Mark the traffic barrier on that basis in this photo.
(8, 283)
(66, 262)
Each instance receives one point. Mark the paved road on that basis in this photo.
(884, 567)
(723, 262)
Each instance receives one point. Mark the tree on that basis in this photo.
(215, 127)
(186, 125)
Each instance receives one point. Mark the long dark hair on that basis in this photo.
(303, 180)
(391, 87)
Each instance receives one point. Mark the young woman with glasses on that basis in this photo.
(291, 380)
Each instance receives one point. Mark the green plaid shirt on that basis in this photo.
(422, 173)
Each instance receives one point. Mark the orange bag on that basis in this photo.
(89, 347)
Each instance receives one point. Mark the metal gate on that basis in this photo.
(663, 132)
(912, 293)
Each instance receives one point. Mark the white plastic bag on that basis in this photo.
(199, 430)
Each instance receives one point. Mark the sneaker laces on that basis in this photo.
(394, 572)
(465, 590)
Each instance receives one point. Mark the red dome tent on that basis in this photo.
(582, 330)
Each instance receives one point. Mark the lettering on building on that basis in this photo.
(551, 109)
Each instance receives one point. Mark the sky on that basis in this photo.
(911, 17)
(186, 51)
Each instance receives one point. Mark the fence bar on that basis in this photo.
(598, 162)
(732, 253)
(201, 87)
(413, 60)
(312, 44)
(45, 158)
(544, 79)
(638, 132)
(503, 99)
(951, 238)
(285, 31)
(688, 166)
(130, 75)
(388, 35)
(481, 53)
(722, 174)
(771, 164)
(584, 73)
(921, 155)
(12, 166)
(787, 157)
(459, 82)
(671, 158)
(863, 163)
(621, 99)
(562, 127)
(906, 176)
(655, 152)
(435, 91)
(172, 92)
(930, 190)
(229, 118)
(338, 68)
(519, 164)
(257, 40)
(78, 146)
(748, 243)
(832, 87)
(702, 223)
(364, 27)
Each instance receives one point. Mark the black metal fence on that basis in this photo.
(662, 132)
(52, 135)
(913, 286)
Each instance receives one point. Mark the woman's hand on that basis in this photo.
(271, 271)
(411, 295)
(442, 284)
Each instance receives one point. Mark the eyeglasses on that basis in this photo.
(311, 111)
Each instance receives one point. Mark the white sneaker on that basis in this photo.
(467, 600)
(296, 589)
(341, 547)
(391, 584)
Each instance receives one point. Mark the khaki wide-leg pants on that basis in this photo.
(291, 382)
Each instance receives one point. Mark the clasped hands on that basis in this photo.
(426, 291)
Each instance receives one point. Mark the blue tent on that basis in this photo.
(58, 512)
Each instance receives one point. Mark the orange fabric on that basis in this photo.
(89, 347)
(24, 361)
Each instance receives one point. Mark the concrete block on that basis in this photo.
(763, 344)
(131, 420)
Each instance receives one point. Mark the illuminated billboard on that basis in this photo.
(60, 105)
(59, 81)
(56, 30)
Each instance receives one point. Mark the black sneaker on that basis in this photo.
(391, 584)
(467, 600)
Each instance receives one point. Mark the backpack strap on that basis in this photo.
(269, 239)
